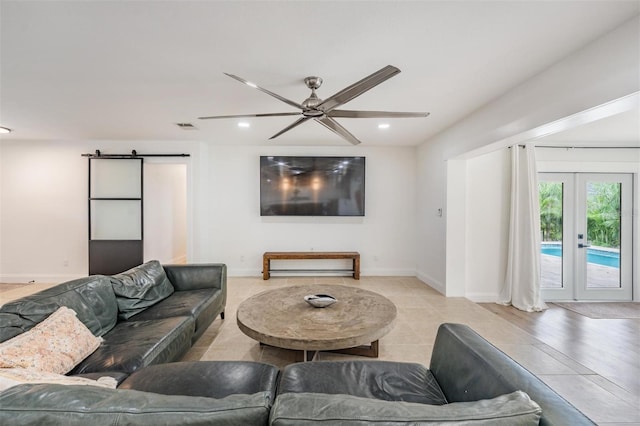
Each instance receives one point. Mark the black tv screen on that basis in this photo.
(312, 186)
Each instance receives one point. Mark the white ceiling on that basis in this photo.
(132, 69)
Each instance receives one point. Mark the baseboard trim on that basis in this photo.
(38, 278)
(432, 282)
(482, 297)
(237, 272)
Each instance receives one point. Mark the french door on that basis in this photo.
(585, 226)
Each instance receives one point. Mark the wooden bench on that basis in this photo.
(310, 255)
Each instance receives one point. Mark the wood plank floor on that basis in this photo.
(609, 347)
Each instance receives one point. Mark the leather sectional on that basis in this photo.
(148, 315)
(145, 330)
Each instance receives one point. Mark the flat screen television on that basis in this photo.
(312, 186)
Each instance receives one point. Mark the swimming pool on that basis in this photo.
(594, 255)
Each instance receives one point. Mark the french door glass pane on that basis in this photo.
(551, 210)
(603, 234)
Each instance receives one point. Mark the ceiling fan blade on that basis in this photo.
(255, 86)
(357, 89)
(334, 126)
(271, 114)
(291, 126)
(344, 113)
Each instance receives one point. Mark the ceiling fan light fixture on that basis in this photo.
(383, 126)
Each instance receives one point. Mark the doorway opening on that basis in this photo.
(165, 212)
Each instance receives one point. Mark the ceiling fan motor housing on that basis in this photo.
(312, 101)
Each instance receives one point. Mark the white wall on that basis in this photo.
(44, 211)
(431, 227)
(385, 236)
(598, 74)
(44, 208)
(488, 205)
(43, 202)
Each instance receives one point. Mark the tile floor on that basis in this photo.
(420, 311)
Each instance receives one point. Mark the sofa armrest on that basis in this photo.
(197, 276)
(467, 367)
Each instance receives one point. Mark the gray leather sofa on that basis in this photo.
(469, 381)
(182, 393)
(464, 369)
(148, 315)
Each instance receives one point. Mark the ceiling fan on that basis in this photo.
(324, 111)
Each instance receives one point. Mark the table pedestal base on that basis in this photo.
(370, 351)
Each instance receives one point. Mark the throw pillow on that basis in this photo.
(140, 287)
(55, 345)
(311, 408)
(16, 376)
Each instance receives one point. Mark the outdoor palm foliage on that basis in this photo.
(603, 212)
(550, 195)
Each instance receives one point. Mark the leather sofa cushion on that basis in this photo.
(213, 379)
(88, 405)
(197, 276)
(135, 344)
(140, 287)
(92, 298)
(300, 409)
(200, 304)
(381, 380)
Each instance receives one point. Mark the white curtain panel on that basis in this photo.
(521, 287)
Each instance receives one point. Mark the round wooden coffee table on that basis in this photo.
(353, 324)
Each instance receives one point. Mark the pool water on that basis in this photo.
(599, 257)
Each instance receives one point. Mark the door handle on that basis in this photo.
(580, 244)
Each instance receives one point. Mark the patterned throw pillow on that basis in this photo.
(55, 345)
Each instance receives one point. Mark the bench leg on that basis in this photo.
(266, 267)
(356, 268)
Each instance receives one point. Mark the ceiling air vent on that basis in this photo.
(186, 126)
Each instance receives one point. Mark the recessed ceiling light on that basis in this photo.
(383, 126)
(5, 130)
(243, 124)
